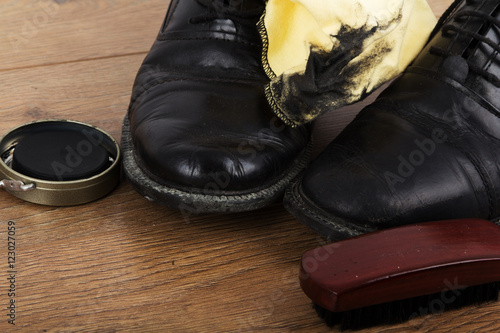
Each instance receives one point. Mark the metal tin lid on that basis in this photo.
(59, 162)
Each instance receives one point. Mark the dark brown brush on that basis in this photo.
(397, 274)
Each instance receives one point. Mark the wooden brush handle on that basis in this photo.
(402, 263)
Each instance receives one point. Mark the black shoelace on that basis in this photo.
(450, 30)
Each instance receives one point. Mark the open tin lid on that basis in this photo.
(59, 162)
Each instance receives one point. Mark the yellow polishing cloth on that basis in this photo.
(323, 54)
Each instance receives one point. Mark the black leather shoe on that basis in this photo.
(199, 135)
(427, 149)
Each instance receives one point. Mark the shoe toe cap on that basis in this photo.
(379, 175)
(214, 137)
(208, 166)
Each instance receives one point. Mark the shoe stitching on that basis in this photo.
(276, 107)
(473, 68)
(198, 79)
(261, 27)
(298, 164)
(342, 226)
(200, 200)
(165, 38)
(214, 13)
(457, 86)
(416, 121)
(450, 30)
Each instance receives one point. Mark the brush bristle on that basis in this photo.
(404, 310)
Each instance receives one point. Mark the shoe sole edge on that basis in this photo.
(197, 203)
(331, 227)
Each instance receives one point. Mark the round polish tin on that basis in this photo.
(59, 162)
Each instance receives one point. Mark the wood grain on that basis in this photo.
(122, 264)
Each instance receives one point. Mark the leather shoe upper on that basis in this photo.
(198, 111)
(429, 147)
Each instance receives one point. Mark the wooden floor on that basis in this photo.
(122, 264)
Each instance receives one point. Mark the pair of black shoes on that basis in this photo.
(199, 135)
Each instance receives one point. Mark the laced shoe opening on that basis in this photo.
(478, 38)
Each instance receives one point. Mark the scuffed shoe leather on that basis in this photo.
(199, 135)
(427, 149)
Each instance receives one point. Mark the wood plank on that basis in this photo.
(97, 92)
(140, 270)
(36, 32)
